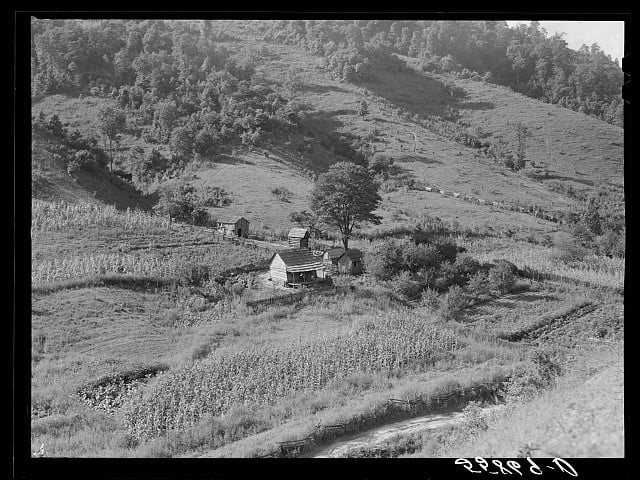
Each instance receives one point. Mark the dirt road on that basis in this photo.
(380, 435)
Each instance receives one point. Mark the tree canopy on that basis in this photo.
(345, 197)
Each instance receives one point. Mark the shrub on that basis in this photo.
(182, 202)
(611, 244)
(381, 165)
(466, 265)
(448, 275)
(79, 161)
(384, 260)
(448, 250)
(540, 373)
(406, 286)
(282, 193)
(419, 257)
(453, 304)
(430, 298)
(501, 277)
(567, 251)
(193, 274)
(478, 284)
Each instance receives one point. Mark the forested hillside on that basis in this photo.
(525, 58)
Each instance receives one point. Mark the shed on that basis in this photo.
(299, 237)
(296, 267)
(235, 226)
(337, 260)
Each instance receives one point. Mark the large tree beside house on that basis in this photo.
(346, 197)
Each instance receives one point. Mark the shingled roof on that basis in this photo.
(352, 253)
(229, 219)
(300, 260)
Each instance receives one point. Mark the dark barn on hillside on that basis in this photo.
(336, 260)
(233, 226)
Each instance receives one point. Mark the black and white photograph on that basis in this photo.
(347, 238)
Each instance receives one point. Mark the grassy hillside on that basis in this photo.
(147, 341)
(581, 417)
(581, 151)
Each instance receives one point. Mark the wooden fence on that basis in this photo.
(280, 299)
(287, 298)
(247, 242)
(507, 206)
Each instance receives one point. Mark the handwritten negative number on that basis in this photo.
(514, 466)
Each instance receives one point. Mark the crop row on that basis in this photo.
(264, 375)
(59, 216)
(216, 258)
(57, 269)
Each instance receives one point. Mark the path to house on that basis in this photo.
(380, 435)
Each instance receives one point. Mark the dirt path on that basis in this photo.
(380, 435)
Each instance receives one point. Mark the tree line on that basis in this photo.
(525, 58)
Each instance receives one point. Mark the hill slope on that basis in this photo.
(407, 113)
(50, 180)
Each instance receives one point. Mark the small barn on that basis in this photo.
(232, 226)
(296, 267)
(336, 260)
(299, 237)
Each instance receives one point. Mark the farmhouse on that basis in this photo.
(235, 226)
(337, 260)
(296, 267)
(299, 237)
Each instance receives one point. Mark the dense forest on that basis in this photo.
(175, 86)
(524, 58)
(183, 59)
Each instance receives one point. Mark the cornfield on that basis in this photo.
(597, 270)
(87, 265)
(212, 386)
(59, 216)
(144, 262)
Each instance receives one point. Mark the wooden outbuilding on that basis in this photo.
(299, 237)
(232, 226)
(296, 267)
(336, 260)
